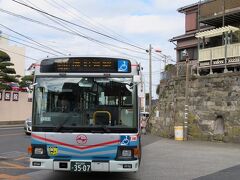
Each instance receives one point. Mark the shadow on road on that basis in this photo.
(232, 173)
(105, 176)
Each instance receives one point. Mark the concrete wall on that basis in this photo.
(15, 111)
(214, 107)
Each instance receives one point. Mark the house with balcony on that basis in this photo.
(219, 47)
(212, 37)
(187, 41)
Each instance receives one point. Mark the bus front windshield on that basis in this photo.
(85, 103)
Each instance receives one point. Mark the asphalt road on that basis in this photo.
(162, 160)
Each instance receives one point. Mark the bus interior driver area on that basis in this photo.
(86, 104)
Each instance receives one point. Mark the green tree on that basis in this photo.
(4, 67)
(169, 67)
(26, 81)
(6, 73)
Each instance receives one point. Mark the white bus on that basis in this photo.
(85, 115)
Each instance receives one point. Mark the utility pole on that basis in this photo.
(186, 110)
(150, 79)
(165, 61)
(144, 99)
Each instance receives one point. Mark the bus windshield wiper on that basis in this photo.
(101, 129)
(60, 126)
(105, 128)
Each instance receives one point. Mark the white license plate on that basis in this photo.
(78, 166)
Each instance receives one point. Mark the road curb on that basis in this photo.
(11, 126)
(7, 124)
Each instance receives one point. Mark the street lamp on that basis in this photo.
(150, 71)
(164, 56)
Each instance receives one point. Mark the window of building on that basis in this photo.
(192, 54)
(235, 37)
(213, 42)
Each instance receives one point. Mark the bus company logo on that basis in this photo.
(81, 139)
(134, 138)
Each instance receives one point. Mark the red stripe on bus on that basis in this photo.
(74, 146)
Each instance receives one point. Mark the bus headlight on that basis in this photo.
(126, 153)
(38, 151)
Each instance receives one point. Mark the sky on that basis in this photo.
(135, 22)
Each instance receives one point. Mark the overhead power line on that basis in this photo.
(42, 45)
(19, 54)
(29, 46)
(21, 39)
(49, 26)
(59, 29)
(25, 40)
(73, 14)
(101, 26)
(103, 44)
(72, 32)
(77, 31)
(102, 34)
(164, 56)
(57, 5)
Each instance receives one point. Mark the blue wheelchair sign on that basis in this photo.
(122, 66)
(125, 140)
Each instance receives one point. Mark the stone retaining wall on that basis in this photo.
(214, 107)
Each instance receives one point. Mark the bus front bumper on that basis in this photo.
(96, 166)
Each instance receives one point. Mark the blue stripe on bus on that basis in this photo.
(102, 157)
(106, 148)
(60, 147)
(34, 141)
(96, 149)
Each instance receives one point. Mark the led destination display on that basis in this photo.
(83, 64)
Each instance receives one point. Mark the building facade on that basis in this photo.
(14, 54)
(206, 106)
(212, 36)
(187, 41)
